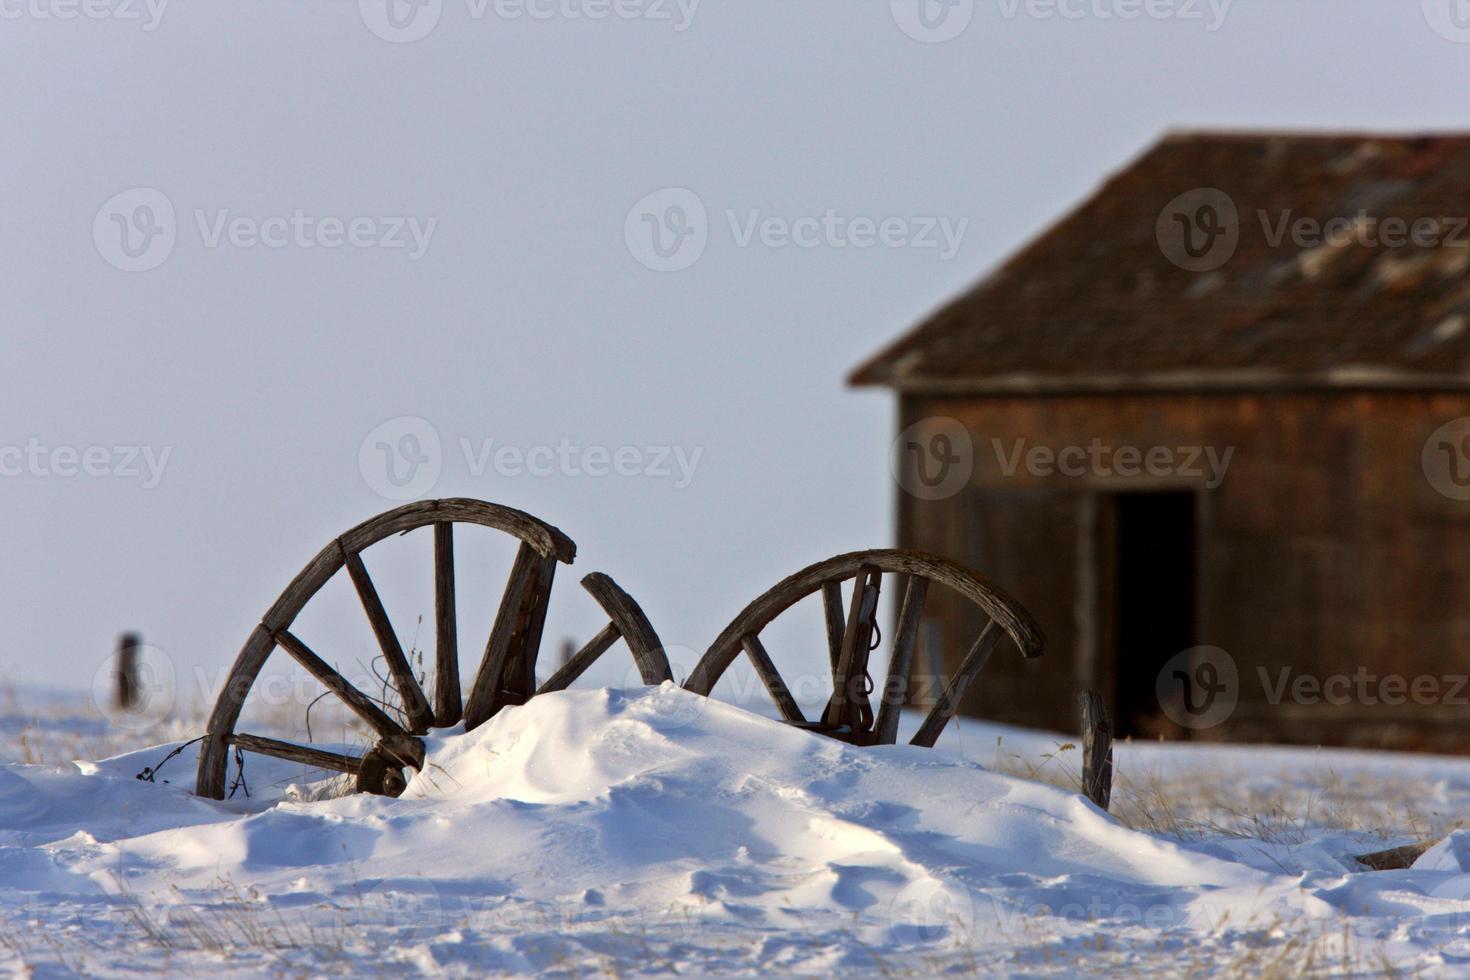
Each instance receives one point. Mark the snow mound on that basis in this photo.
(586, 828)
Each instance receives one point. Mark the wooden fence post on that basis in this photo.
(1097, 750)
(126, 673)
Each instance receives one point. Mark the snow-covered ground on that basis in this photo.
(654, 832)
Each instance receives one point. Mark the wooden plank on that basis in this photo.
(524, 572)
(315, 758)
(895, 688)
(362, 705)
(628, 617)
(954, 692)
(1097, 749)
(448, 708)
(832, 612)
(766, 670)
(849, 705)
(578, 663)
(415, 704)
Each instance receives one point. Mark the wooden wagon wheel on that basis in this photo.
(506, 673)
(849, 712)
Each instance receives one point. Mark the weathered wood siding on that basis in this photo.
(1325, 551)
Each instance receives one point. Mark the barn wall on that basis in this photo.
(1325, 551)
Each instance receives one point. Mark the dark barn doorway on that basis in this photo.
(1153, 605)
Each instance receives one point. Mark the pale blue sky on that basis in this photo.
(526, 320)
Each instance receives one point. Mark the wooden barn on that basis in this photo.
(1213, 429)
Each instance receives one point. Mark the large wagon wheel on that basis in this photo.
(506, 675)
(849, 712)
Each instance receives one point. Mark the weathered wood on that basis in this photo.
(1013, 619)
(214, 756)
(578, 663)
(316, 758)
(832, 613)
(1395, 858)
(362, 705)
(765, 669)
(954, 691)
(546, 539)
(125, 673)
(900, 663)
(848, 706)
(214, 753)
(381, 772)
(628, 617)
(415, 705)
(524, 573)
(518, 681)
(1097, 749)
(448, 707)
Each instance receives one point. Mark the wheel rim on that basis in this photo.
(850, 627)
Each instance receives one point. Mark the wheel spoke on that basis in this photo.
(766, 670)
(447, 705)
(315, 758)
(832, 607)
(581, 660)
(415, 705)
(895, 688)
(954, 692)
(362, 705)
(848, 706)
(495, 666)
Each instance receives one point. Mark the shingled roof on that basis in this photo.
(1103, 300)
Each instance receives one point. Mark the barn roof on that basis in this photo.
(1109, 299)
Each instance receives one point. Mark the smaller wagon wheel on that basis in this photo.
(849, 712)
(507, 672)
